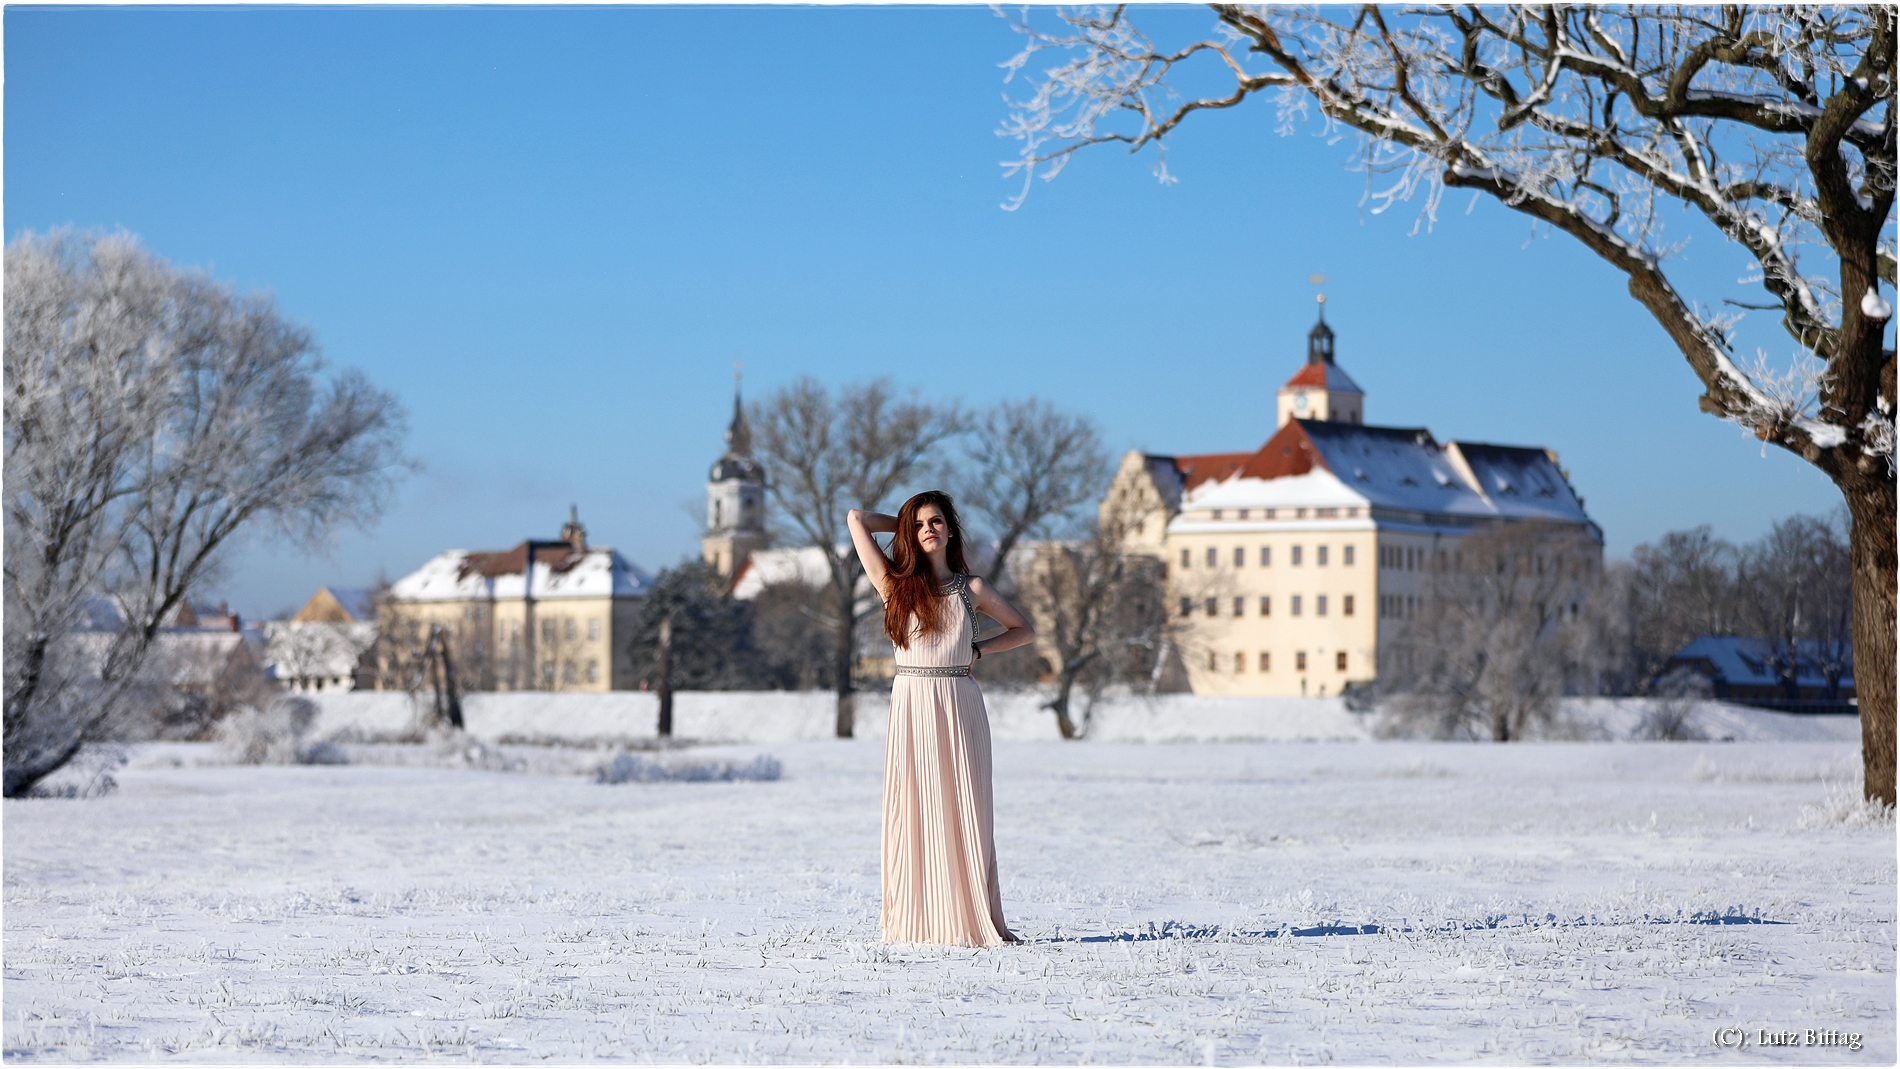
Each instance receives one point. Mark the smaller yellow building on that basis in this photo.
(545, 615)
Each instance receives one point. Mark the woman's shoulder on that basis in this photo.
(975, 583)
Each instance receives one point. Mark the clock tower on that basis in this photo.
(1320, 390)
(735, 500)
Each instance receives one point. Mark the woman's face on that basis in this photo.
(933, 530)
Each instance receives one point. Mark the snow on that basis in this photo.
(1217, 902)
(765, 717)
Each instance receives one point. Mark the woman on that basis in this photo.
(940, 883)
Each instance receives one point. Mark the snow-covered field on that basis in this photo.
(1188, 902)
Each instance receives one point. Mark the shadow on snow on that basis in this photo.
(1177, 930)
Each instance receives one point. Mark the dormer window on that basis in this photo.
(1217, 514)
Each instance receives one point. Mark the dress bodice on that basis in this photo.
(951, 646)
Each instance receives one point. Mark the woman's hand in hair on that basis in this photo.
(863, 525)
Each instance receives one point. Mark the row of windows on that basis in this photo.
(1296, 605)
(566, 627)
(1398, 606)
(1297, 556)
(1298, 514)
(1404, 558)
(1266, 661)
(570, 673)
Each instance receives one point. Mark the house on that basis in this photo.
(1753, 671)
(1302, 562)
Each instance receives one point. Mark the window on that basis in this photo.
(1345, 605)
(1213, 556)
(1352, 513)
(1319, 605)
(567, 629)
(1186, 559)
(1240, 556)
(1240, 663)
(1339, 660)
(547, 635)
(1266, 556)
(567, 674)
(547, 675)
(1270, 513)
(1299, 661)
(593, 671)
(1240, 606)
(1266, 605)
(1217, 514)
(1345, 556)
(593, 632)
(1296, 556)
(1242, 514)
(1296, 604)
(1266, 661)
(1319, 556)
(1187, 606)
(1213, 661)
(1299, 514)
(1213, 606)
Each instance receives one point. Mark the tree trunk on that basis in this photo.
(1871, 542)
(1059, 705)
(847, 653)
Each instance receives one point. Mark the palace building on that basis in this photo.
(545, 615)
(1299, 564)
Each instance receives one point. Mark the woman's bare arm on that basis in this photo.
(991, 604)
(863, 525)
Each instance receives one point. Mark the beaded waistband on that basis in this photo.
(929, 670)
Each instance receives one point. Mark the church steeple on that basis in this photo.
(735, 497)
(1319, 340)
(1320, 389)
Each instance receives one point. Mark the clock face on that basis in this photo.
(1299, 402)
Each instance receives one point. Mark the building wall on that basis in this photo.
(575, 644)
(1302, 594)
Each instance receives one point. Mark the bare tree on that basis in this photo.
(1033, 466)
(826, 455)
(153, 414)
(1101, 616)
(1487, 654)
(1796, 597)
(1775, 124)
(792, 627)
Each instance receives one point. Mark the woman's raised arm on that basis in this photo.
(863, 525)
(991, 604)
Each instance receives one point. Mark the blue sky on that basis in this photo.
(551, 231)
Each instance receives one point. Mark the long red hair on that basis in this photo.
(910, 601)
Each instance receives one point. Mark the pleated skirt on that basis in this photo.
(939, 844)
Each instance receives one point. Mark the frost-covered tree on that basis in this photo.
(1775, 124)
(1497, 631)
(825, 455)
(152, 416)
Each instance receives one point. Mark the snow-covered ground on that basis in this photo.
(1185, 902)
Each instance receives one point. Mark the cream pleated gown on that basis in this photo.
(940, 882)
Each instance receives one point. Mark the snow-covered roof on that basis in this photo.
(1324, 464)
(1750, 662)
(315, 650)
(807, 565)
(558, 572)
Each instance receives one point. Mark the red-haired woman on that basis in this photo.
(939, 846)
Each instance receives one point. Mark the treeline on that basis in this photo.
(1518, 616)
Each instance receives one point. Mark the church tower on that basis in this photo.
(735, 500)
(1320, 390)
